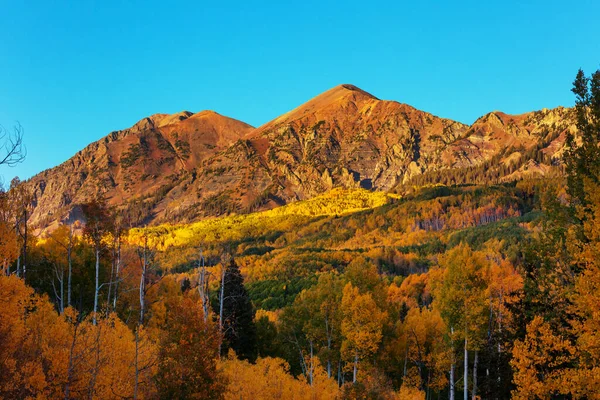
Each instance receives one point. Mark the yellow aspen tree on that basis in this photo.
(362, 325)
(462, 302)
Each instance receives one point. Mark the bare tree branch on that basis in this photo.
(12, 149)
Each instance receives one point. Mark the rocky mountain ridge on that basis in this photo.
(185, 166)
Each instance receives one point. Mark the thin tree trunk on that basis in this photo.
(452, 366)
(203, 288)
(92, 384)
(466, 374)
(117, 275)
(221, 299)
(329, 334)
(25, 244)
(137, 370)
(475, 363)
(69, 260)
(18, 233)
(62, 290)
(97, 291)
(112, 277)
(428, 396)
(303, 365)
(500, 337)
(355, 371)
(311, 367)
(452, 381)
(143, 286)
(71, 368)
(142, 313)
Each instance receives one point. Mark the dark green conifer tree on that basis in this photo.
(239, 331)
(583, 161)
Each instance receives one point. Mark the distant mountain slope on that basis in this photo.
(139, 164)
(183, 167)
(501, 147)
(347, 137)
(344, 137)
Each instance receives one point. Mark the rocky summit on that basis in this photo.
(186, 166)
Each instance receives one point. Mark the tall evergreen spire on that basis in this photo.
(239, 330)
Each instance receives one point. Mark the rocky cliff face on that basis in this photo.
(187, 166)
(133, 169)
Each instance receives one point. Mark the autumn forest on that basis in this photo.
(475, 281)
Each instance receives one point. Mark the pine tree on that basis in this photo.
(559, 353)
(583, 161)
(239, 331)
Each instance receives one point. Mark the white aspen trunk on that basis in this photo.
(329, 334)
(112, 287)
(19, 257)
(62, 290)
(355, 371)
(97, 291)
(25, 244)
(69, 260)
(466, 374)
(311, 367)
(142, 312)
(118, 272)
(203, 288)
(302, 359)
(206, 300)
(111, 282)
(500, 333)
(475, 363)
(221, 299)
(452, 368)
(143, 285)
(452, 381)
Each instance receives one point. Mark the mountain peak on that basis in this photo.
(326, 103)
(159, 120)
(347, 87)
(170, 119)
(342, 92)
(208, 114)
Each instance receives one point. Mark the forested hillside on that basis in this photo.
(476, 280)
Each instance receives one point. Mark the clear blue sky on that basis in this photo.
(71, 72)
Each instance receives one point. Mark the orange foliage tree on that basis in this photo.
(188, 352)
(270, 378)
(47, 355)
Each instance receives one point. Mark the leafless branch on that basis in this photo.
(12, 149)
